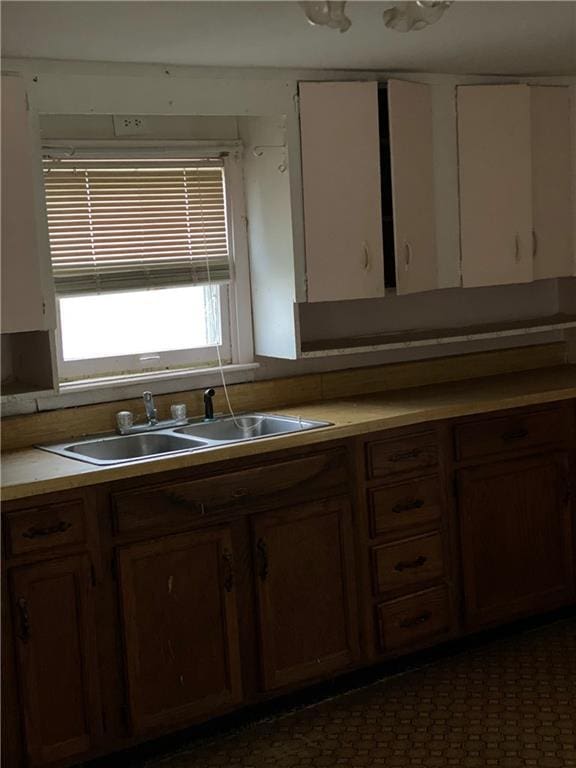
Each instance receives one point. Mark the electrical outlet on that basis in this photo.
(129, 125)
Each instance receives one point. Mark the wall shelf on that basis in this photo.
(381, 342)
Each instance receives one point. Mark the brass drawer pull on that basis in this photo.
(262, 554)
(182, 501)
(24, 633)
(240, 493)
(408, 564)
(228, 567)
(406, 455)
(36, 533)
(515, 434)
(415, 621)
(407, 506)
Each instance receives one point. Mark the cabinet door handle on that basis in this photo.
(415, 621)
(366, 257)
(262, 554)
(228, 570)
(24, 633)
(407, 255)
(534, 244)
(405, 565)
(407, 506)
(406, 455)
(515, 434)
(36, 532)
(517, 252)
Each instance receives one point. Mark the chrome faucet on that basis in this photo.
(125, 419)
(151, 413)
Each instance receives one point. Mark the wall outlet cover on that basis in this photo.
(129, 125)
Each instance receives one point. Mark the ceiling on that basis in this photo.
(487, 37)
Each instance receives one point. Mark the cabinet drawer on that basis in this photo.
(393, 458)
(509, 433)
(399, 506)
(413, 620)
(407, 563)
(55, 525)
(182, 504)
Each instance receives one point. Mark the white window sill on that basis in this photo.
(106, 390)
(113, 382)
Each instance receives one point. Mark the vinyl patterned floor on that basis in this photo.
(510, 703)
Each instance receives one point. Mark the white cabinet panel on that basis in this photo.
(495, 170)
(552, 181)
(412, 152)
(341, 183)
(23, 301)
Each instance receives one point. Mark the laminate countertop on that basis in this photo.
(32, 472)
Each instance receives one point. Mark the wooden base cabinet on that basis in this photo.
(53, 614)
(180, 625)
(306, 591)
(171, 566)
(517, 538)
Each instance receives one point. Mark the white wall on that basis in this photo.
(99, 127)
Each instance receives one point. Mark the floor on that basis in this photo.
(509, 703)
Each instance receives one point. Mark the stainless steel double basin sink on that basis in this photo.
(194, 436)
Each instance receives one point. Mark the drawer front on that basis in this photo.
(509, 433)
(407, 563)
(183, 504)
(415, 619)
(55, 525)
(399, 506)
(393, 458)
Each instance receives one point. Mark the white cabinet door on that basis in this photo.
(495, 170)
(552, 182)
(23, 301)
(412, 152)
(341, 183)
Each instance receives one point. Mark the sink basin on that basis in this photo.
(248, 427)
(116, 449)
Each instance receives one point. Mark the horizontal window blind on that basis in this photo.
(127, 224)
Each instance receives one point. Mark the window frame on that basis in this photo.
(237, 347)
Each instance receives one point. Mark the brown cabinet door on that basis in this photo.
(306, 587)
(517, 550)
(57, 658)
(180, 628)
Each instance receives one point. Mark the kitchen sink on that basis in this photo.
(117, 449)
(248, 427)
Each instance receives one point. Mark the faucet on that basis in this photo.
(151, 413)
(125, 419)
(208, 404)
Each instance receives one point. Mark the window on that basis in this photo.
(142, 253)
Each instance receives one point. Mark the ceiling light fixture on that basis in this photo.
(402, 17)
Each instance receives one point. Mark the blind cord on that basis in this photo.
(237, 424)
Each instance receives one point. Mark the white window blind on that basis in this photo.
(127, 224)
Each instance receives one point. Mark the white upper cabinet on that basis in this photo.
(495, 169)
(341, 184)
(25, 307)
(412, 152)
(516, 194)
(552, 181)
